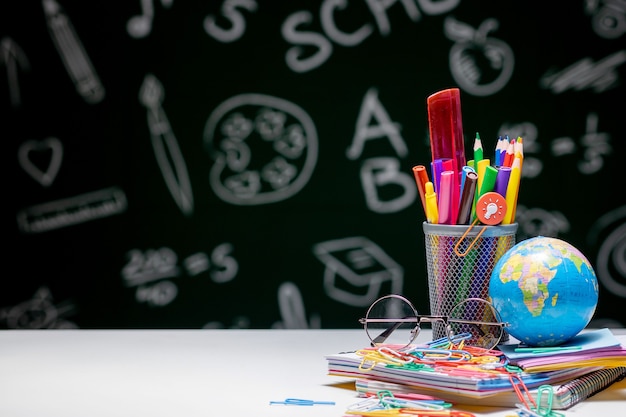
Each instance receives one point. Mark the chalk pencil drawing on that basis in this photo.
(72, 53)
(165, 145)
(264, 149)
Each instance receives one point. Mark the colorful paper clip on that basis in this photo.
(299, 401)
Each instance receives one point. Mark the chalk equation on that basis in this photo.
(151, 271)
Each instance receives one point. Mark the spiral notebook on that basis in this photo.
(565, 395)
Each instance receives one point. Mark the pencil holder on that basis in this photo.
(459, 261)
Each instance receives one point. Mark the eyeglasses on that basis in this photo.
(392, 319)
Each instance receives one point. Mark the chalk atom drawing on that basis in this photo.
(265, 149)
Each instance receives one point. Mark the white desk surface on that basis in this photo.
(189, 373)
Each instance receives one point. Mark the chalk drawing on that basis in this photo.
(150, 265)
(40, 312)
(356, 270)
(73, 54)
(12, 57)
(51, 146)
(585, 74)
(140, 26)
(529, 132)
(481, 65)
(236, 21)
(165, 145)
(72, 211)
(540, 222)
(596, 147)
(292, 310)
(608, 17)
(380, 173)
(298, 58)
(279, 133)
(383, 173)
(610, 265)
(158, 294)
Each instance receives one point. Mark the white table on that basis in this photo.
(189, 373)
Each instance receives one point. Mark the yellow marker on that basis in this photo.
(432, 212)
(511, 192)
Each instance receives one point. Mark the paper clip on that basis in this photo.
(299, 401)
(393, 402)
(546, 411)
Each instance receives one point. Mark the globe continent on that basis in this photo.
(545, 289)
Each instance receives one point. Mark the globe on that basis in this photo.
(545, 289)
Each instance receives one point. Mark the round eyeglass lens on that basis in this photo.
(478, 318)
(391, 320)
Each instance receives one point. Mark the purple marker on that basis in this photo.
(502, 180)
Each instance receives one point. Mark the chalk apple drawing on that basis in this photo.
(480, 65)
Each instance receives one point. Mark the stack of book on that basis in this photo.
(587, 364)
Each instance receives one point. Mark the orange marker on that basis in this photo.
(421, 178)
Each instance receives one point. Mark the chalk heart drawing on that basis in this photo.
(265, 149)
(481, 65)
(28, 149)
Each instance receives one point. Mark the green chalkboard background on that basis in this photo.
(96, 237)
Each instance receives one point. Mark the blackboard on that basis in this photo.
(247, 163)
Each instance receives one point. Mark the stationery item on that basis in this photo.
(464, 172)
(432, 211)
(565, 394)
(478, 148)
(446, 126)
(502, 180)
(445, 196)
(421, 178)
(481, 166)
(489, 181)
(512, 190)
(298, 401)
(437, 168)
(501, 146)
(510, 153)
(467, 198)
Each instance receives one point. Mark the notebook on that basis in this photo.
(565, 395)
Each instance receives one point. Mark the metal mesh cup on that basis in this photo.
(453, 278)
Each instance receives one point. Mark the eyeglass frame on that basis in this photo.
(418, 319)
